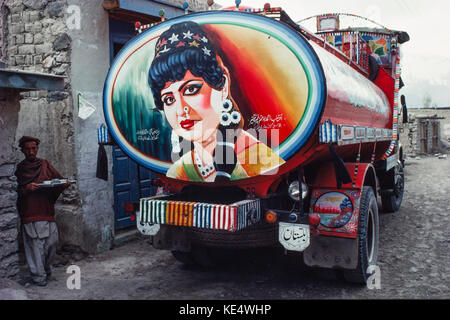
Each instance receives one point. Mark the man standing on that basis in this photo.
(36, 209)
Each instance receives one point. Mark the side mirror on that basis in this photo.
(404, 109)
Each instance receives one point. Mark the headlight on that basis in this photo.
(294, 190)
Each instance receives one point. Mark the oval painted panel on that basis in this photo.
(214, 96)
(335, 209)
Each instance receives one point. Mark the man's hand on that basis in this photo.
(32, 187)
(67, 184)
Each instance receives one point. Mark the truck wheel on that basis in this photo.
(392, 200)
(368, 235)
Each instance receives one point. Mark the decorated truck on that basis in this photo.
(262, 133)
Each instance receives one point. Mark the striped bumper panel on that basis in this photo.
(231, 217)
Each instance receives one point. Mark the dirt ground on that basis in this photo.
(414, 261)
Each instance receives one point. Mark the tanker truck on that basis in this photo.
(262, 133)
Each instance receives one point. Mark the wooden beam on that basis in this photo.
(111, 4)
(30, 81)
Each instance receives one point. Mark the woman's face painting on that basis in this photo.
(192, 107)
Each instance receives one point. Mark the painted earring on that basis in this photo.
(225, 119)
(227, 105)
(235, 117)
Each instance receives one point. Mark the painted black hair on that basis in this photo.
(185, 46)
(172, 60)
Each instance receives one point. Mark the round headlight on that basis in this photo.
(294, 190)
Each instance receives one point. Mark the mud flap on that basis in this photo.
(332, 252)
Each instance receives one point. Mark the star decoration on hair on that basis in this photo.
(188, 35)
(206, 51)
(204, 39)
(194, 43)
(197, 37)
(164, 50)
(173, 38)
(162, 42)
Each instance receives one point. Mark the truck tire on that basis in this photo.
(391, 200)
(368, 236)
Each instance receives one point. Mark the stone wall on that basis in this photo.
(40, 39)
(438, 112)
(417, 141)
(9, 258)
(38, 42)
(3, 32)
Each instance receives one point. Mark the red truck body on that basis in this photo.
(317, 113)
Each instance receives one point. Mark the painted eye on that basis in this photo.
(168, 100)
(192, 89)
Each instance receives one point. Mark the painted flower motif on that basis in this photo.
(352, 227)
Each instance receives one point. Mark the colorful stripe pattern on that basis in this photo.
(328, 132)
(103, 135)
(348, 134)
(395, 115)
(231, 217)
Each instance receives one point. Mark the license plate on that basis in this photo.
(294, 237)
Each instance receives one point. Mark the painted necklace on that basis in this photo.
(205, 170)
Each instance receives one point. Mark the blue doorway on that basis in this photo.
(131, 181)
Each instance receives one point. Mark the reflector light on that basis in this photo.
(271, 216)
(293, 217)
(314, 219)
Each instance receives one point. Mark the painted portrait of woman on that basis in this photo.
(191, 86)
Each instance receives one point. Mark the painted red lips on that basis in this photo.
(186, 124)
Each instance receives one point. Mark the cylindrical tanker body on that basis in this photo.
(235, 99)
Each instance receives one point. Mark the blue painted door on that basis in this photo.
(126, 187)
(131, 181)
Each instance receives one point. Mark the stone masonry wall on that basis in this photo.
(9, 110)
(3, 32)
(38, 41)
(411, 137)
